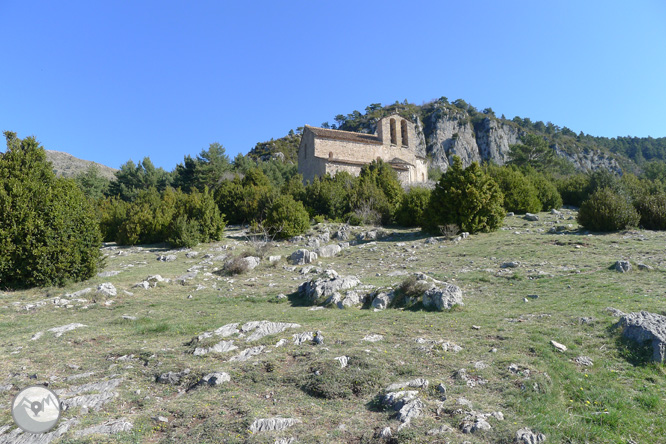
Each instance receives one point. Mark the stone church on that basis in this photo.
(328, 151)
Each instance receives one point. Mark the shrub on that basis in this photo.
(329, 196)
(377, 190)
(48, 231)
(241, 199)
(607, 211)
(546, 190)
(412, 209)
(149, 217)
(325, 380)
(184, 232)
(201, 213)
(286, 217)
(237, 264)
(111, 214)
(652, 210)
(466, 197)
(574, 189)
(520, 195)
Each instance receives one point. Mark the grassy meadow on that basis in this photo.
(559, 291)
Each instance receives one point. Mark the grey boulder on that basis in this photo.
(302, 257)
(645, 327)
(325, 290)
(443, 298)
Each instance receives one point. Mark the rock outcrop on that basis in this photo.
(453, 132)
(645, 327)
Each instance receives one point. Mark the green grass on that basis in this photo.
(620, 397)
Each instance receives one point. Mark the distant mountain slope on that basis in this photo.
(67, 165)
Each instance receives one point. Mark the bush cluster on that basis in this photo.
(182, 220)
(520, 195)
(606, 210)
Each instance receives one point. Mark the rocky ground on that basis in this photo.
(353, 334)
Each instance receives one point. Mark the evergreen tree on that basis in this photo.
(468, 198)
(48, 232)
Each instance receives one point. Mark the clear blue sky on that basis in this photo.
(113, 80)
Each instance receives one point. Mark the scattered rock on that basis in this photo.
(514, 264)
(414, 383)
(187, 276)
(554, 212)
(450, 346)
(90, 396)
(622, 266)
(527, 436)
(247, 354)
(584, 360)
(614, 312)
(274, 258)
(329, 250)
(107, 274)
(410, 410)
(224, 331)
(343, 360)
(249, 262)
(531, 217)
(191, 254)
(172, 378)
(265, 328)
(272, 424)
(443, 298)
(144, 284)
(645, 267)
(479, 424)
(220, 347)
(373, 338)
(386, 433)
(439, 430)
(302, 338)
(107, 428)
(396, 400)
(216, 378)
(645, 327)
(302, 257)
(383, 300)
(59, 331)
(167, 258)
(324, 291)
(107, 289)
(558, 346)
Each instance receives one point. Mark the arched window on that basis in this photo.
(404, 133)
(394, 135)
(330, 155)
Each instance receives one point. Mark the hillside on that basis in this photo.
(458, 128)
(162, 346)
(69, 166)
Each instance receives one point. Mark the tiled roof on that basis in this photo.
(347, 136)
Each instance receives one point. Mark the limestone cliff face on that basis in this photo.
(590, 160)
(449, 132)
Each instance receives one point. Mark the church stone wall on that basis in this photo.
(318, 156)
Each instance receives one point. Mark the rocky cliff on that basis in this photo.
(449, 132)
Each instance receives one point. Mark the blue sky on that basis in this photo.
(111, 81)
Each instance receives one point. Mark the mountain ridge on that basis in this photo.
(66, 165)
